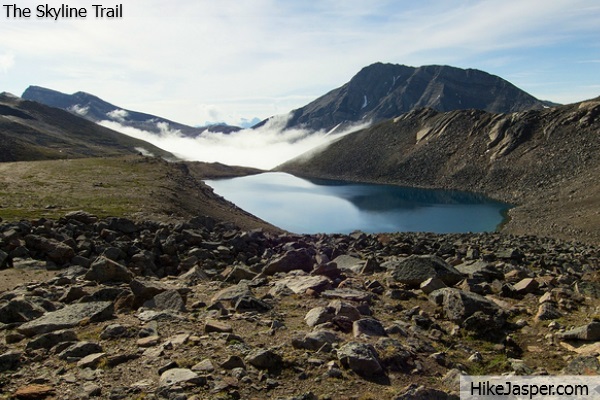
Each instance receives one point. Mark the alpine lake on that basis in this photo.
(330, 206)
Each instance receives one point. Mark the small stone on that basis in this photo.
(91, 389)
(10, 361)
(169, 300)
(292, 260)
(328, 269)
(316, 340)
(13, 337)
(547, 311)
(344, 309)
(415, 392)
(415, 269)
(79, 350)
(144, 290)
(476, 357)
(361, 358)
(348, 294)
(589, 332)
(148, 341)
(167, 367)
(432, 284)
(394, 356)
(179, 339)
(212, 325)
(81, 216)
(583, 365)
(179, 375)
(368, 327)
(204, 366)
(319, 315)
(34, 392)
(554, 326)
(51, 339)
(458, 305)
(106, 270)
(527, 285)
(371, 267)
(251, 303)
(113, 331)
(91, 361)
(233, 362)
(264, 359)
(232, 294)
(546, 297)
(300, 284)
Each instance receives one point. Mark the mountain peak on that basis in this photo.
(8, 95)
(381, 91)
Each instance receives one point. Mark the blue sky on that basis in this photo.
(202, 60)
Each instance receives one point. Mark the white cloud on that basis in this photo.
(118, 115)
(76, 109)
(165, 130)
(145, 152)
(265, 147)
(7, 61)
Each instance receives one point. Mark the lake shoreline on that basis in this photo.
(308, 205)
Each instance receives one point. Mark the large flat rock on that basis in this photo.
(68, 317)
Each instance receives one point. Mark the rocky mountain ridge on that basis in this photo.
(201, 309)
(547, 161)
(95, 109)
(32, 131)
(383, 91)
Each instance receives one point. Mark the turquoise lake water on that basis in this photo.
(326, 206)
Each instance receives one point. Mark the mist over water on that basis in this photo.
(265, 147)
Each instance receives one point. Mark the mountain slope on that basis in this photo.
(95, 109)
(132, 186)
(33, 131)
(383, 91)
(545, 161)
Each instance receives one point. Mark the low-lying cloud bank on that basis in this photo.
(264, 147)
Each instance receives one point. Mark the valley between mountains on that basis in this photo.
(124, 276)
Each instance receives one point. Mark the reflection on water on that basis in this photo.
(326, 206)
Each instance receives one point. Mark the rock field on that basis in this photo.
(205, 310)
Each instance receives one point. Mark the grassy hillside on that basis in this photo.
(134, 186)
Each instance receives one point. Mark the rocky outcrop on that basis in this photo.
(296, 331)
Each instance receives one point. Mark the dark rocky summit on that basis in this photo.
(383, 91)
(202, 309)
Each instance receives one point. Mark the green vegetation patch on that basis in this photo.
(103, 186)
